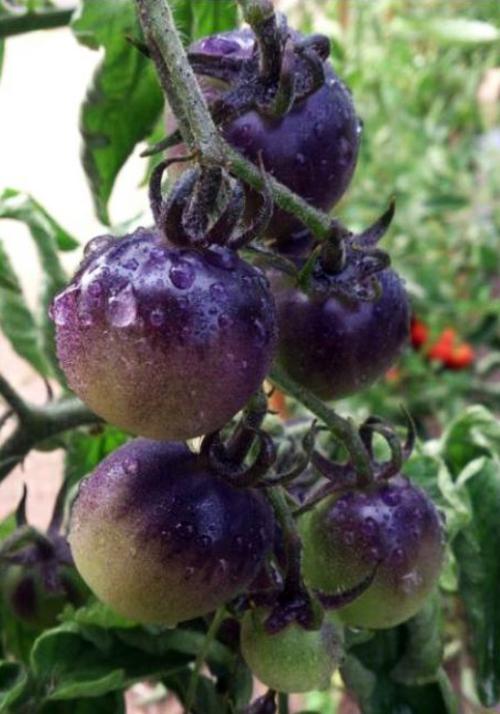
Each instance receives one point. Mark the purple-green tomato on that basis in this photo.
(391, 529)
(161, 539)
(164, 343)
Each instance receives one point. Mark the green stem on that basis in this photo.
(195, 122)
(293, 542)
(202, 655)
(343, 429)
(12, 398)
(30, 21)
(37, 424)
(177, 77)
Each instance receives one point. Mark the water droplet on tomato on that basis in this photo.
(122, 307)
(182, 275)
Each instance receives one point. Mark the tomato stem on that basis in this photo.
(195, 122)
(202, 655)
(342, 429)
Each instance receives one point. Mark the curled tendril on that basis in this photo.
(334, 601)
(196, 199)
(238, 474)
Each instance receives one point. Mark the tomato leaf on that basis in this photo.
(13, 681)
(476, 549)
(124, 100)
(475, 433)
(16, 320)
(96, 705)
(67, 665)
(370, 669)
(85, 450)
(49, 238)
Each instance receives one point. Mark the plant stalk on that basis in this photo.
(195, 122)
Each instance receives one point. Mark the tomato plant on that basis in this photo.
(217, 522)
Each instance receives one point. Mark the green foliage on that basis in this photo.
(123, 101)
(33, 337)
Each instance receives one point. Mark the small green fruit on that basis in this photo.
(293, 660)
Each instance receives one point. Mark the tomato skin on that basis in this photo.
(391, 529)
(313, 149)
(161, 539)
(143, 324)
(336, 348)
(293, 660)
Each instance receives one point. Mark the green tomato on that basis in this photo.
(293, 660)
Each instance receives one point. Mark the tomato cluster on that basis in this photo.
(447, 350)
(168, 332)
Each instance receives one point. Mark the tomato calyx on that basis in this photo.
(40, 574)
(346, 265)
(206, 208)
(269, 68)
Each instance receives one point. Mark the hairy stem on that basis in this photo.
(293, 542)
(195, 122)
(343, 429)
(30, 21)
(202, 655)
(12, 398)
(38, 424)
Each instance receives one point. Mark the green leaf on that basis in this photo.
(49, 238)
(13, 681)
(423, 648)
(460, 30)
(96, 614)
(199, 18)
(16, 321)
(476, 549)
(475, 433)
(370, 669)
(209, 17)
(85, 450)
(109, 704)
(68, 665)
(124, 100)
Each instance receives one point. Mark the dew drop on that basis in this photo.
(390, 496)
(222, 567)
(369, 527)
(239, 540)
(348, 537)
(131, 264)
(182, 275)
(130, 466)
(133, 551)
(122, 307)
(95, 288)
(398, 555)
(222, 257)
(157, 317)
(97, 243)
(300, 159)
(318, 129)
(217, 291)
(184, 530)
(224, 321)
(205, 541)
(62, 307)
(188, 573)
